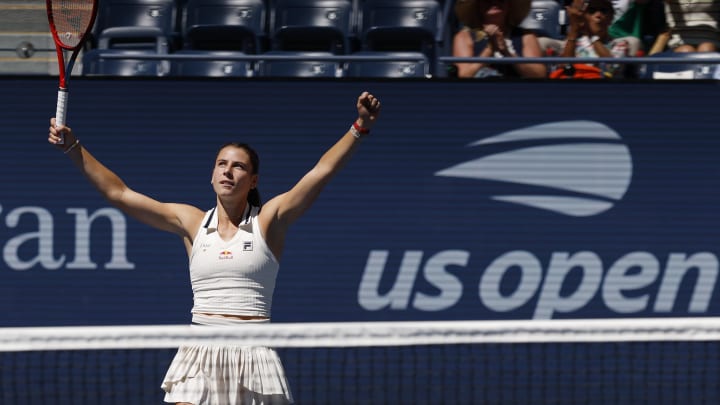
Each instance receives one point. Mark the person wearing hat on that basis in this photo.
(490, 28)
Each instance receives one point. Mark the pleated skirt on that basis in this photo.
(226, 375)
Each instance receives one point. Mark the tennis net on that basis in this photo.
(613, 361)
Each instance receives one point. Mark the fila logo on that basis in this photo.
(582, 168)
(247, 246)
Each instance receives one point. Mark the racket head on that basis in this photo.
(71, 21)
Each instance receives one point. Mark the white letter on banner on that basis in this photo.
(399, 296)
(82, 239)
(550, 300)
(44, 237)
(450, 287)
(531, 276)
(677, 267)
(617, 280)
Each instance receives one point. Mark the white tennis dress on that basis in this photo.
(235, 277)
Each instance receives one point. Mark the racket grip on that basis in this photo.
(61, 111)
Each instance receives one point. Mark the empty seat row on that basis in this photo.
(251, 25)
(270, 27)
(272, 64)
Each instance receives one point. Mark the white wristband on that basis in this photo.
(355, 133)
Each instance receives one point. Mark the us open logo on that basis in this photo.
(582, 168)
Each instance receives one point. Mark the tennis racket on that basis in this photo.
(70, 23)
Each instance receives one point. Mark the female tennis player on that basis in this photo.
(234, 250)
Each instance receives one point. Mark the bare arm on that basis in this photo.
(180, 219)
(464, 47)
(531, 49)
(281, 211)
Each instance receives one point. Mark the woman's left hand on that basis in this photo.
(368, 107)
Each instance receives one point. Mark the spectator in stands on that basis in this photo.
(490, 29)
(629, 23)
(692, 26)
(638, 22)
(588, 37)
(234, 250)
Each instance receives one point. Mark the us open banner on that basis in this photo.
(470, 200)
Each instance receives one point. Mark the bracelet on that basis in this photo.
(358, 131)
(73, 146)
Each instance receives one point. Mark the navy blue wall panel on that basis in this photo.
(470, 200)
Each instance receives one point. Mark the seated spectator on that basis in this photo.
(692, 26)
(629, 23)
(588, 37)
(490, 29)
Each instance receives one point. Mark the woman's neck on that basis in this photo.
(232, 213)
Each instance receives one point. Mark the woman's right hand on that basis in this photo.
(56, 135)
(576, 16)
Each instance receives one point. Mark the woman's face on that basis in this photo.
(494, 11)
(598, 19)
(233, 172)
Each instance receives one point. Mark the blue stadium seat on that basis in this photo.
(303, 66)
(133, 38)
(311, 25)
(414, 65)
(220, 66)
(136, 24)
(544, 19)
(95, 63)
(229, 25)
(693, 69)
(401, 26)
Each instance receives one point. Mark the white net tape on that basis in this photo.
(360, 334)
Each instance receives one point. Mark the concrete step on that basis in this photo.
(30, 53)
(23, 16)
(27, 53)
(26, 46)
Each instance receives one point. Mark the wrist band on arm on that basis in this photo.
(358, 131)
(73, 146)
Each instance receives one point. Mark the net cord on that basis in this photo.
(359, 334)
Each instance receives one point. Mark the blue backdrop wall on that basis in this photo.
(470, 200)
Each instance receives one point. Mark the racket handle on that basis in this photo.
(61, 110)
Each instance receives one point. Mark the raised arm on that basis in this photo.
(281, 211)
(180, 219)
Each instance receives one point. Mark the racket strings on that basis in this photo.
(71, 19)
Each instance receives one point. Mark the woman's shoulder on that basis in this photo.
(464, 33)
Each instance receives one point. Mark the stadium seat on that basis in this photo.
(544, 19)
(693, 69)
(124, 63)
(135, 24)
(398, 65)
(134, 38)
(311, 25)
(227, 25)
(400, 26)
(220, 66)
(302, 66)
